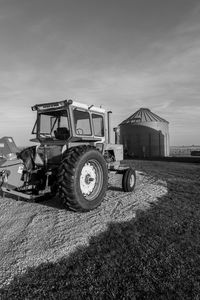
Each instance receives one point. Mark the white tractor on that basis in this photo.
(72, 159)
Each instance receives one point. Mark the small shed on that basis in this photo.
(144, 134)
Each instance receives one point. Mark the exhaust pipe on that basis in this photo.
(108, 116)
(117, 134)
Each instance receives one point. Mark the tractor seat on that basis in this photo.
(62, 133)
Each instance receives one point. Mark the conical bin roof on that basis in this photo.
(143, 115)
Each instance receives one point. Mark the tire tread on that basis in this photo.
(66, 174)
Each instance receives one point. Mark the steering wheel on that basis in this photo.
(79, 131)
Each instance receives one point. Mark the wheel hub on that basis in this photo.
(132, 180)
(87, 179)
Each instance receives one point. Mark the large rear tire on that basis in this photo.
(83, 178)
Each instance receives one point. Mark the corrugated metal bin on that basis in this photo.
(145, 135)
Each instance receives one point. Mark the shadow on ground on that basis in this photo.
(115, 188)
(50, 201)
(154, 256)
(54, 202)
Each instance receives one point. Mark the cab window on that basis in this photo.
(54, 125)
(82, 122)
(98, 125)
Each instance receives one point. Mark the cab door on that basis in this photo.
(98, 126)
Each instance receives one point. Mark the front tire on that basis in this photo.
(129, 180)
(83, 178)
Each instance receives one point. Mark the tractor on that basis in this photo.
(72, 157)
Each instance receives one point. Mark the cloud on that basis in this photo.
(148, 58)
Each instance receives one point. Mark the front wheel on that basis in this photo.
(129, 180)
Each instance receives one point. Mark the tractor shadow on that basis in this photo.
(53, 202)
(115, 188)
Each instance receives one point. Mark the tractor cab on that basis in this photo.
(67, 121)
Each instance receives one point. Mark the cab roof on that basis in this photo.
(64, 103)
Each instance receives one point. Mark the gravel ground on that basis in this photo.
(34, 233)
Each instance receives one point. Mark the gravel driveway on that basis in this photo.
(33, 233)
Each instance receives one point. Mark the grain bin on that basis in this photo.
(145, 134)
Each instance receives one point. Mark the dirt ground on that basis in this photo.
(33, 233)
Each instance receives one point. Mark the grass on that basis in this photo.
(154, 256)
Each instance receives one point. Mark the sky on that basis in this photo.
(120, 54)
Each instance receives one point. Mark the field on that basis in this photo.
(184, 151)
(141, 245)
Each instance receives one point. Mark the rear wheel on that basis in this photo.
(83, 178)
(129, 180)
